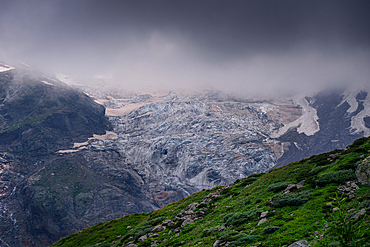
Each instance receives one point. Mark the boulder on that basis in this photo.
(263, 214)
(300, 243)
(217, 243)
(289, 187)
(192, 206)
(361, 212)
(159, 228)
(363, 172)
(263, 220)
(300, 184)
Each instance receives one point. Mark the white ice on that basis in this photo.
(357, 121)
(306, 124)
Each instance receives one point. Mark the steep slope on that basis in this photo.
(299, 201)
(38, 116)
(333, 119)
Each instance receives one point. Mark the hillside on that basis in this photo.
(300, 201)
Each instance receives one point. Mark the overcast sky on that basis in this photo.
(237, 46)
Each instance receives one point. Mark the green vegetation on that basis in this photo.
(37, 119)
(312, 212)
(276, 187)
(336, 177)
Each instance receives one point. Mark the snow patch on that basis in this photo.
(357, 121)
(4, 67)
(47, 83)
(306, 124)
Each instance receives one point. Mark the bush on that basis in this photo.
(317, 170)
(291, 199)
(146, 227)
(276, 187)
(246, 181)
(207, 231)
(335, 177)
(271, 229)
(228, 235)
(242, 239)
(242, 217)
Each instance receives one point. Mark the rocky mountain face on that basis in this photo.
(38, 116)
(68, 162)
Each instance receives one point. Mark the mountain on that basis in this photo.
(74, 156)
(323, 200)
(38, 116)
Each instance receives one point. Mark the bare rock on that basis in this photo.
(300, 184)
(159, 228)
(131, 245)
(168, 223)
(263, 214)
(192, 206)
(142, 238)
(263, 220)
(363, 172)
(301, 243)
(217, 243)
(289, 187)
(187, 221)
(361, 212)
(221, 228)
(210, 196)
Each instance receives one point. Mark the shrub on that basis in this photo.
(146, 227)
(317, 170)
(276, 187)
(228, 235)
(291, 199)
(271, 229)
(242, 239)
(242, 217)
(207, 231)
(335, 177)
(246, 181)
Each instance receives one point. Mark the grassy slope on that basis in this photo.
(312, 221)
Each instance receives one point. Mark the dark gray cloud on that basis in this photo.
(238, 45)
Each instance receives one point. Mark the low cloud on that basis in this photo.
(270, 47)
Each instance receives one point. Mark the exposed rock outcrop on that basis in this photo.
(363, 172)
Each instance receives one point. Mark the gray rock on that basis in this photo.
(187, 221)
(361, 212)
(159, 228)
(300, 184)
(263, 214)
(217, 243)
(363, 172)
(192, 206)
(142, 238)
(289, 187)
(263, 220)
(301, 243)
(221, 228)
(131, 245)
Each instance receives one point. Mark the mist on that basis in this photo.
(241, 47)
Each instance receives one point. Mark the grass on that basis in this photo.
(240, 205)
(37, 119)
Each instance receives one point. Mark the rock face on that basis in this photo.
(39, 116)
(339, 120)
(363, 172)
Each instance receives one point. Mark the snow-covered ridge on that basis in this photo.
(357, 121)
(306, 124)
